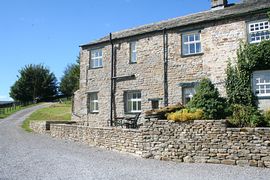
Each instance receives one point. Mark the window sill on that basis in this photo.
(93, 113)
(189, 55)
(263, 97)
(133, 63)
(96, 68)
(132, 113)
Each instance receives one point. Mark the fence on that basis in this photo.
(12, 106)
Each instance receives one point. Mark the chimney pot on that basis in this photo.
(219, 4)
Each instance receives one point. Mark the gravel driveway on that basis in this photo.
(32, 156)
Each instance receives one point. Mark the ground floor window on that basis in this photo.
(155, 102)
(188, 93)
(261, 83)
(93, 102)
(133, 101)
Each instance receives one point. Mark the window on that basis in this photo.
(93, 102)
(133, 52)
(191, 43)
(96, 58)
(259, 31)
(133, 101)
(188, 93)
(155, 104)
(261, 83)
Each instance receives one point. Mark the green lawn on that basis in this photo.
(11, 111)
(54, 112)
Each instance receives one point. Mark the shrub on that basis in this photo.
(207, 98)
(267, 118)
(246, 116)
(162, 112)
(186, 115)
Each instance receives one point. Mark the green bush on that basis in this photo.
(207, 98)
(186, 115)
(246, 116)
(267, 118)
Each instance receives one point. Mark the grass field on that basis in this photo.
(54, 112)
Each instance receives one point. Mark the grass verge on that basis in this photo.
(54, 112)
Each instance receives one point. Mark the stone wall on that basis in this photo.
(199, 141)
(38, 126)
(125, 140)
(208, 142)
(76, 106)
(43, 127)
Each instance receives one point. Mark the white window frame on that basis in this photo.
(93, 102)
(187, 44)
(260, 84)
(133, 51)
(190, 95)
(96, 58)
(258, 31)
(130, 100)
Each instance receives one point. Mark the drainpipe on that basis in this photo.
(165, 62)
(112, 80)
(86, 80)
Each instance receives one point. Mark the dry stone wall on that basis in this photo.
(124, 140)
(38, 126)
(200, 141)
(208, 142)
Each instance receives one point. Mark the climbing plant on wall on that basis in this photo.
(250, 58)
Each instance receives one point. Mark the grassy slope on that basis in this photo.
(54, 112)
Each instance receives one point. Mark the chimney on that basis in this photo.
(218, 4)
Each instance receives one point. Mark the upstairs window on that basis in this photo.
(261, 83)
(93, 102)
(191, 43)
(133, 52)
(133, 101)
(96, 58)
(259, 31)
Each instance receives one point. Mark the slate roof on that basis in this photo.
(206, 16)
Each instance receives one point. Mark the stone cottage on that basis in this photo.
(159, 64)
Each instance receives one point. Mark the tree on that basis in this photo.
(35, 82)
(70, 80)
(207, 98)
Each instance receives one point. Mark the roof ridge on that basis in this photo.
(238, 8)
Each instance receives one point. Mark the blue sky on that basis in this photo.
(50, 31)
